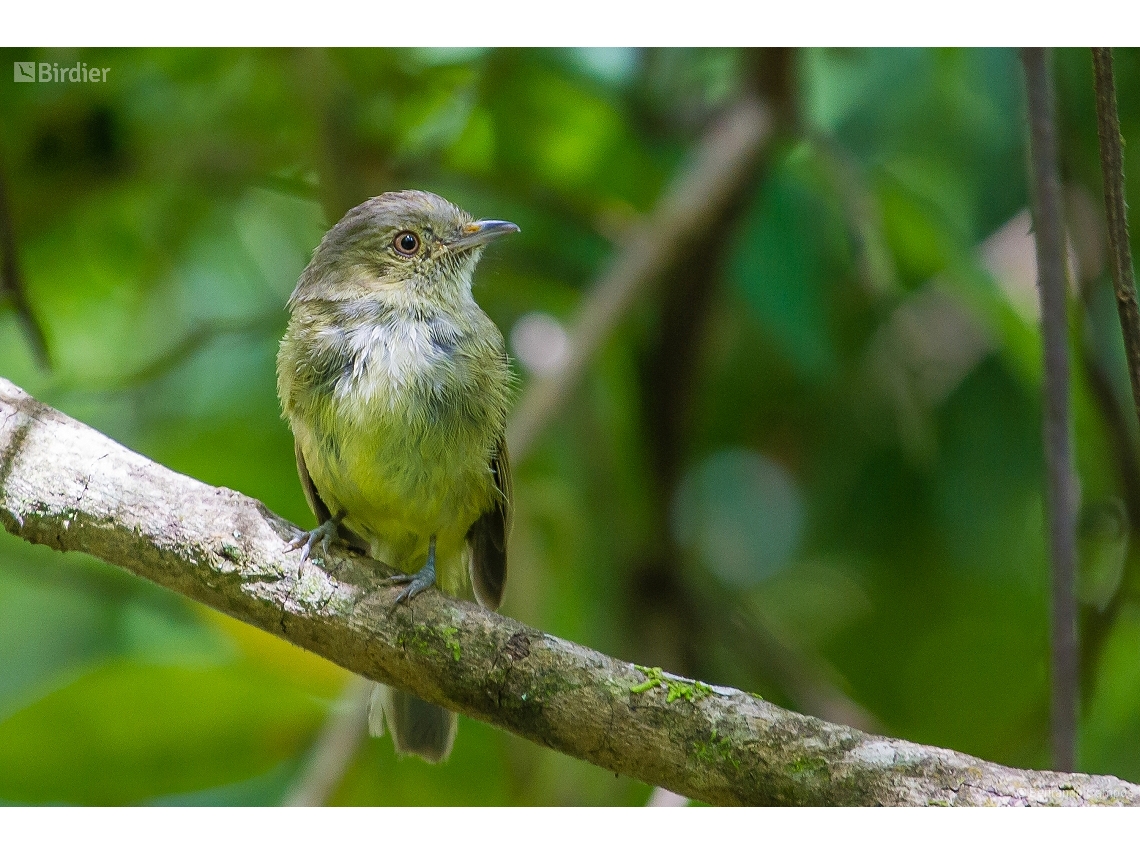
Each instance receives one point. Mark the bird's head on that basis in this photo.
(407, 243)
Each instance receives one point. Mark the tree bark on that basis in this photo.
(65, 485)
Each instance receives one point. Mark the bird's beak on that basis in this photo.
(481, 232)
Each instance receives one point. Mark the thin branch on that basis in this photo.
(721, 161)
(65, 485)
(335, 747)
(1049, 237)
(1112, 166)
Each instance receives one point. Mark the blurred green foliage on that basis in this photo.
(823, 429)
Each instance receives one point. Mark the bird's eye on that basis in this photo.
(406, 243)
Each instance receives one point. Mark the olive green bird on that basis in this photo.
(396, 386)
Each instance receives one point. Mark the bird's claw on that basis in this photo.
(417, 584)
(319, 536)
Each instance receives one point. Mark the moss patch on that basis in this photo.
(451, 641)
(716, 749)
(676, 687)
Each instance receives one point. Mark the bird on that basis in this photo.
(396, 386)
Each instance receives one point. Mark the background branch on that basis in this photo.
(1120, 253)
(334, 748)
(721, 161)
(67, 486)
(1061, 493)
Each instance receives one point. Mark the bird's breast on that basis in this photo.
(385, 362)
(405, 439)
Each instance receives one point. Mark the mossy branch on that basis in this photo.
(65, 485)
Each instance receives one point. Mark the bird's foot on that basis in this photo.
(419, 582)
(319, 536)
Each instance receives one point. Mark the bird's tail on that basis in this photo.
(417, 727)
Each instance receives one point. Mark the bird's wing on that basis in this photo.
(320, 509)
(487, 536)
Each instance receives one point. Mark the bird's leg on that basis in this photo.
(421, 581)
(319, 536)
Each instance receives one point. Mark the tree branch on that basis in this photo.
(1120, 253)
(65, 485)
(1061, 495)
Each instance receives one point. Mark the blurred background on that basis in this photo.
(805, 460)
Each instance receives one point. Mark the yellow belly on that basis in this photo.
(401, 475)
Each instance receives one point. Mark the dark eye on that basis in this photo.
(406, 243)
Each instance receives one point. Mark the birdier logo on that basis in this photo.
(50, 72)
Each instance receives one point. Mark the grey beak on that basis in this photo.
(481, 232)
